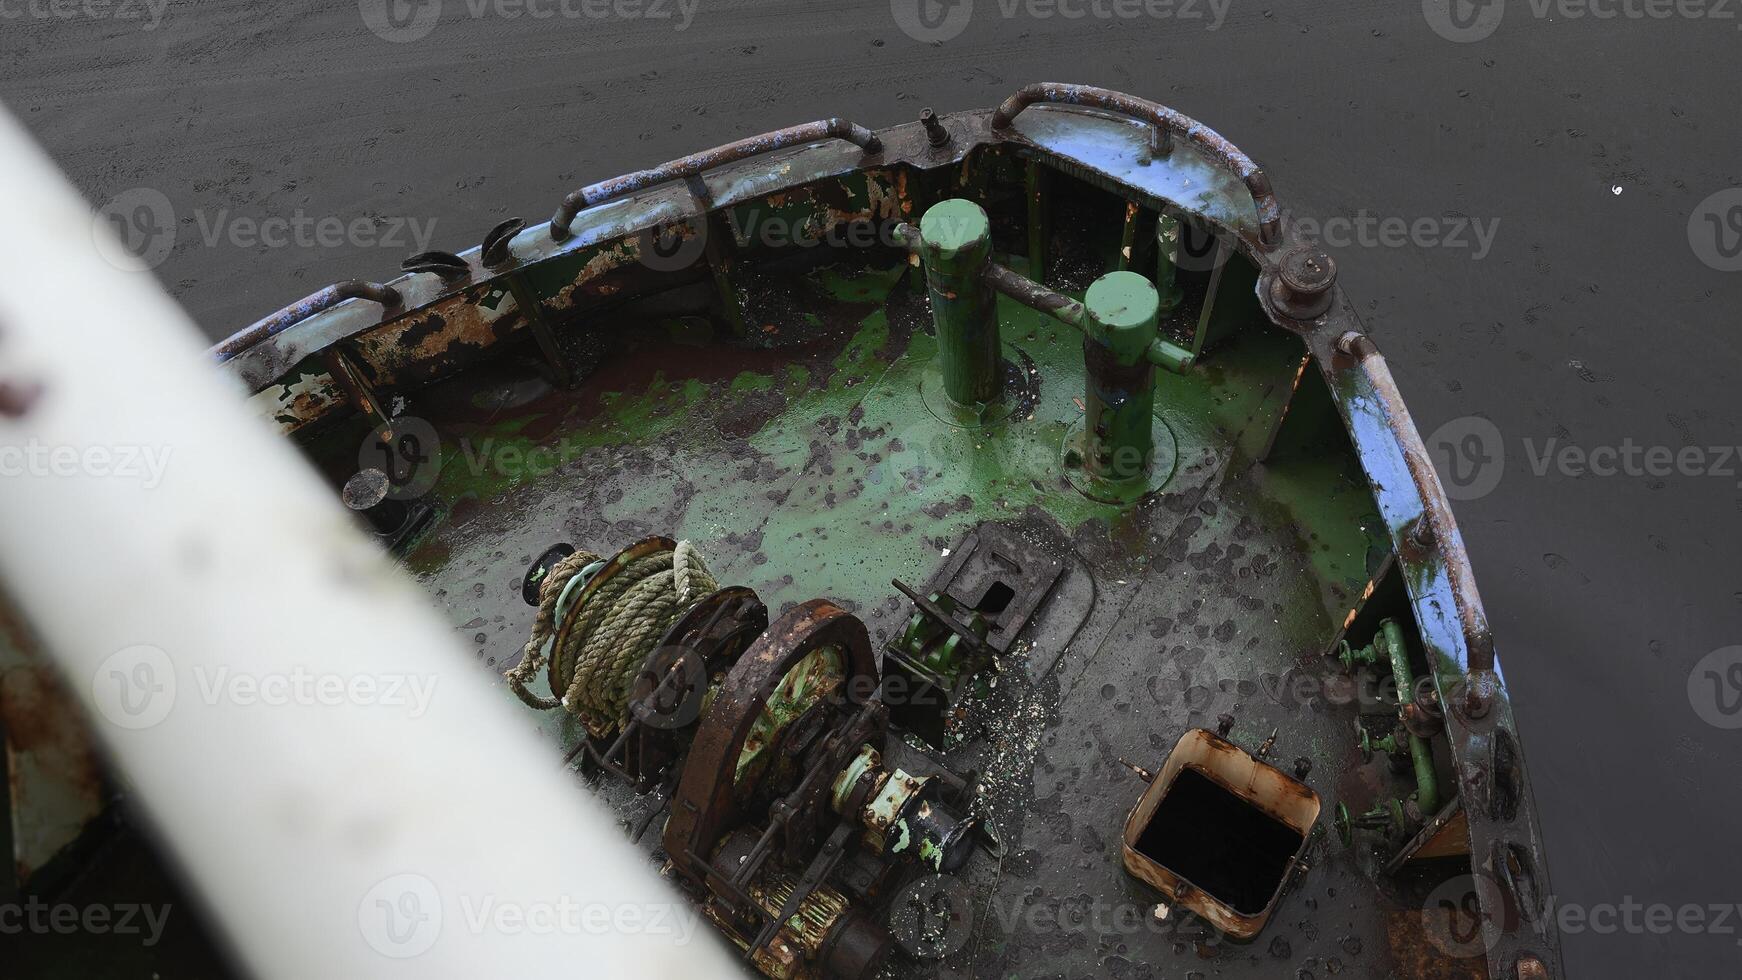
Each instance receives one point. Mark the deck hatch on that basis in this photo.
(1219, 832)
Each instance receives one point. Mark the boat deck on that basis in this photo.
(807, 463)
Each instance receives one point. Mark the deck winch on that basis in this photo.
(792, 810)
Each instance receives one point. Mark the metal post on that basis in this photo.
(956, 246)
(719, 248)
(532, 310)
(1120, 399)
(1034, 188)
(1167, 262)
(1127, 237)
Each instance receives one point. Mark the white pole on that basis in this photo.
(332, 771)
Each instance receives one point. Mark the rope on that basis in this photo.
(612, 634)
(543, 624)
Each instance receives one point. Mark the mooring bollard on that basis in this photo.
(1119, 399)
(956, 247)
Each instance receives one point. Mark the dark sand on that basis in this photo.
(1591, 321)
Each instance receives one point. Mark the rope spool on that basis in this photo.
(598, 621)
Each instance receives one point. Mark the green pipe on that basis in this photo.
(956, 248)
(1062, 308)
(1427, 797)
(1163, 353)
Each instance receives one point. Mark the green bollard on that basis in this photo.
(1167, 263)
(1122, 310)
(956, 246)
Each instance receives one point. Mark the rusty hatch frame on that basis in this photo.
(1123, 143)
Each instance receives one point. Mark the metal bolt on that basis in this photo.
(935, 133)
(1160, 143)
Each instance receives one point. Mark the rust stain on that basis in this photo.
(1414, 954)
(40, 718)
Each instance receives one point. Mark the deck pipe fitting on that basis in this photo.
(1391, 817)
(1369, 744)
(1167, 263)
(1122, 310)
(1388, 647)
(956, 249)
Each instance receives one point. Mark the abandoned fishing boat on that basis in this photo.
(988, 546)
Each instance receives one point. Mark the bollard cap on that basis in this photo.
(365, 489)
(1123, 309)
(956, 233)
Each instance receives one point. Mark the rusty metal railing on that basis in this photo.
(1437, 527)
(301, 310)
(697, 163)
(1169, 123)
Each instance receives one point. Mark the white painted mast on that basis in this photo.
(331, 770)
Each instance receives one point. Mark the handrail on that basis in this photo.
(301, 310)
(1170, 122)
(696, 163)
(1438, 526)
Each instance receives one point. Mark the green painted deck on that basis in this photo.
(808, 464)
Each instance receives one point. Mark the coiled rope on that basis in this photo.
(595, 660)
